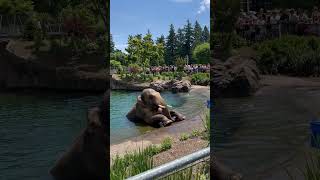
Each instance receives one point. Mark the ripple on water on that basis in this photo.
(257, 133)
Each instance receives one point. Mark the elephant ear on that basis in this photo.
(140, 101)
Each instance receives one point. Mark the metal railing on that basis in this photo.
(172, 166)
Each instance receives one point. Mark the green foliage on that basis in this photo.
(131, 164)
(237, 42)
(120, 56)
(200, 79)
(184, 136)
(116, 65)
(197, 34)
(16, 7)
(290, 55)
(135, 68)
(166, 144)
(206, 123)
(205, 35)
(143, 51)
(195, 133)
(226, 42)
(202, 53)
(180, 63)
(139, 161)
(171, 46)
(189, 40)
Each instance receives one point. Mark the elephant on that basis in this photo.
(88, 157)
(152, 109)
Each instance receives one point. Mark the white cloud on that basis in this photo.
(181, 1)
(204, 5)
(121, 47)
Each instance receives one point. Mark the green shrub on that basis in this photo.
(180, 63)
(196, 133)
(201, 53)
(200, 79)
(184, 136)
(290, 55)
(116, 65)
(135, 68)
(166, 144)
(237, 41)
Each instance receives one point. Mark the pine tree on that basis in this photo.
(197, 34)
(205, 34)
(161, 40)
(180, 43)
(171, 47)
(112, 46)
(189, 40)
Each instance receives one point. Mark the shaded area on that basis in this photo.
(37, 129)
(263, 135)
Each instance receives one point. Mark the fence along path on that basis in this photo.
(13, 26)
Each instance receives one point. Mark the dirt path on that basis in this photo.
(180, 149)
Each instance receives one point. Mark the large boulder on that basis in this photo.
(237, 77)
(181, 86)
(158, 86)
(175, 86)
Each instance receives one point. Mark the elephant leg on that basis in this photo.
(159, 120)
(166, 113)
(177, 116)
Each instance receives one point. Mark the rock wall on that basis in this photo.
(19, 73)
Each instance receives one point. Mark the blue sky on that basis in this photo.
(130, 17)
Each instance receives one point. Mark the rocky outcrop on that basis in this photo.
(237, 77)
(118, 84)
(17, 72)
(175, 86)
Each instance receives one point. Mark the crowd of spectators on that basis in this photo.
(274, 23)
(189, 69)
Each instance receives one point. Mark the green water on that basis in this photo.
(189, 104)
(36, 129)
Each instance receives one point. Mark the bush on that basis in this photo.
(116, 65)
(184, 136)
(200, 79)
(166, 144)
(290, 55)
(134, 68)
(180, 63)
(201, 53)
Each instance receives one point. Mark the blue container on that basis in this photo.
(315, 134)
(208, 104)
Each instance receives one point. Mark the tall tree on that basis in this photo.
(112, 46)
(205, 37)
(171, 46)
(161, 40)
(180, 43)
(189, 40)
(197, 34)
